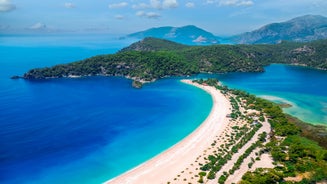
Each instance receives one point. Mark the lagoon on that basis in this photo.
(89, 130)
(304, 88)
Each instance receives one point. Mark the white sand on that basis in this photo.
(265, 162)
(164, 167)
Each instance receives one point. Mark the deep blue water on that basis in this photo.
(89, 130)
(85, 130)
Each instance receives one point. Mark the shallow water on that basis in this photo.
(304, 88)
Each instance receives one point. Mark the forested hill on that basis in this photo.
(153, 58)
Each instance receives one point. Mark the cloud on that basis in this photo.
(69, 5)
(38, 26)
(150, 15)
(210, 1)
(190, 5)
(157, 4)
(235, 3)
(141, 6)
(119, 17)
(118, 5)
(6, 6)
(169, 4)
(140, 13)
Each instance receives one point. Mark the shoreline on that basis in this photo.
(164, 167)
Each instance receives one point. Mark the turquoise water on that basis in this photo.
(304, 88)
(84, 130)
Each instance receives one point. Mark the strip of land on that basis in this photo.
(164, 167)
(221, 150)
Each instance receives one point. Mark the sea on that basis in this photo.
(89, 130)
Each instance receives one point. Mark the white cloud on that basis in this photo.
(190, 5)
(169, 4)
(141, 6)
(140, 13)
(69, 5)
(157, 4)
(118, 5)
(119, 17)
(235, 3)
(6, 6)
(150, 15)
(210, 1)
(38, 26)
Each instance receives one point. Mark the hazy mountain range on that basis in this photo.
(300, 29)
(187, 34)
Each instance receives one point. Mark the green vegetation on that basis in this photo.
(293, 153)
(137, 84)
(237, 138)
(293, 146)
(317, 133)
(262, 139)
(152, 59)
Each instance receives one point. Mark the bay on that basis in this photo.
(85, 130)
(89, 130)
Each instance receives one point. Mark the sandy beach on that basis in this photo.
(165, 166)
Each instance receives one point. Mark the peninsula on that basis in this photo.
(153, 58)
(244, 140)
(181, 163)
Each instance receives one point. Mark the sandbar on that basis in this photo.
(164, 167)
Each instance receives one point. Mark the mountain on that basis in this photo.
(190, 35)
(153, 58)
(301, 29)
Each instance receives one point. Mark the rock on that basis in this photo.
(137, 84)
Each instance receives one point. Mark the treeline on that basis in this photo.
(153, 58)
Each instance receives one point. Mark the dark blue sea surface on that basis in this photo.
(84, 130)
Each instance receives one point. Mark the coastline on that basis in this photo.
(166, 165)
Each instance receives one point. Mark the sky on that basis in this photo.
(221, 17)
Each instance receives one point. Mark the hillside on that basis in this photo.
(152, 59)
(301, 29)
(153, 44)
(190, 35)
